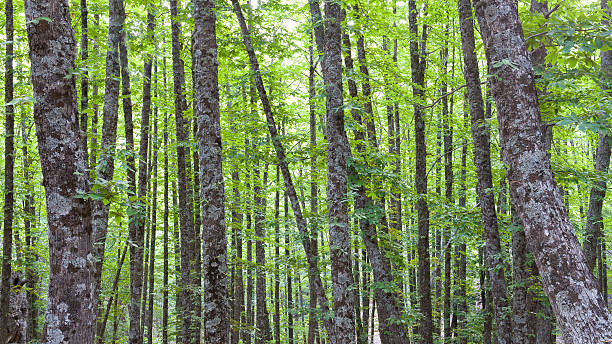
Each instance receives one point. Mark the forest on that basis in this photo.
(291, 171)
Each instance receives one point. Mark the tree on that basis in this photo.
(70, 311)
(576, 301)
(214, 242)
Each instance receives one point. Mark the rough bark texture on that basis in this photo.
(338, 153)
(9, 163)
(110, 113)
(571, 287)
(212, 194)
(482, 160)
(70, 314)
(417, 63)
(289, 186)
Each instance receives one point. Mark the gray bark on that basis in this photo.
(212, 194)
(70, 313)
(571, 287)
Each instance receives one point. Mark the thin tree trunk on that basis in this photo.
(482, 160)
(314, 194)
(177, 264)
(165, 309)
(153, 231)
(290, 189)
(84, 75)
(190, 286)
(290, 307)
(70, 309)
(102, 324)
(417, 58)
(460, 249)
(277, 324)
(9, 164)
(594, 226)
(571, 287)
(110, 114)
(262, 323)
(214, 241)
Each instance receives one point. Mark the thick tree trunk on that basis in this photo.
(314, 194)
(110, 113)
(482, 160)
(571, 287)
(338, 153)
(214, 241)
(9, 164)
(70, 314)
(417, 60)
(289, 186)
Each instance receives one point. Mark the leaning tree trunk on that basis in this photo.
(571, 287)
(214, 241)
(70, 313)
(289, 186)
(9, 163)
(482, 160)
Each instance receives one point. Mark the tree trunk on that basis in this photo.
(338, 153)
(110, 113)
(165, 309)
(290, 307)
(9, 164)
(84, 75)
(153, 232)
(262, 323)
(417, 60)
(314, 194)
(214, 241)
(482, 160)
(190, 286)
(70, 314)
(571, 287)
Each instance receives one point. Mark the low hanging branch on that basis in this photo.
(311, 255)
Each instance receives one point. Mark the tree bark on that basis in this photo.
(84, 75)
(165, 308)
(338, 153)
(70, 314)
(110, 113)
(214, 241)
(571, 287)
(417, 62)
(190, 295)
(9, 165)
(482, 160)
